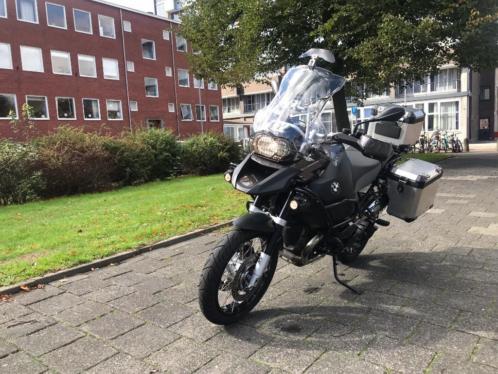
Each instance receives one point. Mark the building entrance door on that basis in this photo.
(485, 131)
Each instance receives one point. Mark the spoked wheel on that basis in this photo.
(225, 293)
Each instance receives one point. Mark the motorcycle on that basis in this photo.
(313, 194)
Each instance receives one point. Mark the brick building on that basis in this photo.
(94, 65)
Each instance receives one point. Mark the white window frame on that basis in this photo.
(168, 71)
(15, 105)
(181, 115)
(133, 106)
(130, 66)
(102, 16)
(11, 65)
(210, 85)
(201, 81)
(83, 107)
(94, 65)
(204, 110)
(37, 21)
(41, 55)
(176, 44)
(89, 16)
(188, 78)
(127, 23)
(171, 108)
(57, 108)
(46, 106)
(6, 11)
(157, 87)
(107, 110)
(166, 32)
(65, 53)
(65, 15)
(218, 109)
(103, 69)
(153, 49)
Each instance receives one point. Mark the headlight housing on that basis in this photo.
(272, 147)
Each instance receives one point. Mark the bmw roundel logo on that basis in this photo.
(335, 186)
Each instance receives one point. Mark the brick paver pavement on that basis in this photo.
(429, 304)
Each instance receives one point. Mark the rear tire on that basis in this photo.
(216, 267)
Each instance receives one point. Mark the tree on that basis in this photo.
(376, 43)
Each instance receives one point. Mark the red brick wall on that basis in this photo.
(47, 38)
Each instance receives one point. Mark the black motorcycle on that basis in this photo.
(313, 194)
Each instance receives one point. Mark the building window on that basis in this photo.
(432, 116)
(32, 59)
(82, 21)
(200, 112)
(65, 108)
(214, 113)
(212, 85)
(253, 103)
(86, 66)
(61, 62)
(449, 115)
(5, 56)
(3, 9)
(130, 66)
(168, 71)
(127, 26)
(165, 34)
(27, 10)
(171, 107)
(134, 106)
(231, 105)
(181, 43)
(151, 87)
(111, 68)
(154, 124)
(198, 83)
(186, 112)
(148, 49)
(38, 107)
(106, 27)
(114, 111)
(8, 106)
(56, 15)
(183, 78)
(485, 93)
(91, 109)
(445, 80)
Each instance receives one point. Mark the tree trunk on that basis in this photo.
(340, 109)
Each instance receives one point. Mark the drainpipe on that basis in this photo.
(177, 109)
(126, 71)
(205, 114)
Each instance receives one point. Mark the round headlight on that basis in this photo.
(272, 147)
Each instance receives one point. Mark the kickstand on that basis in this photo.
(334, 267)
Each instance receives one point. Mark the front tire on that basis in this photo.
(227, 269)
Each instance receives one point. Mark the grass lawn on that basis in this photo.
(46, 236)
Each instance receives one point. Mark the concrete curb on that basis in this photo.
(119, 257)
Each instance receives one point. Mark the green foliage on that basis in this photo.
(19, 181)
(73, 161)
(209, 153)
(375, 42)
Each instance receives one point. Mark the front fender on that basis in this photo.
(255, 222)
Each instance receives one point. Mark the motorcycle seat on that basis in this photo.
(377, 149)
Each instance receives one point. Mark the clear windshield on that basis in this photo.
(295, 110)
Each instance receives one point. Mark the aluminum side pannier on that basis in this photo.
(412, 187)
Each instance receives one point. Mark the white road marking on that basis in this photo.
(459, 195)
(471, 178)
(435, 211)
(460, 202)
(491, 230)
(483, 214)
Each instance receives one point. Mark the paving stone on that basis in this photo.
(25, 325)
(196, 327)
(10, 310)
(144, 340)
(78, 356)
(228, 364)
(429, 312)
(181, 293)
(85, 286)
(56, 304)
(20, 362)
(122, 364)
(448, 364)
(391, 325)
(145, 265)
(6, 348)
(487, 353)
(338, 362)
(165, 314)
(481, 324)
(48, 339)
(135, 302)
(109, 293)
(111, 325)
(128, 279)
(393, 354)
(239, 340)
(154, 285)
(83, 312)
(182, 356)
(38, 294)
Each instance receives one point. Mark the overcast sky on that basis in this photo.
(143, 5)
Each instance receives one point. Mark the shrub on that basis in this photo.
(19, 182)
(144, 156)
(209, 153)
(73, 161)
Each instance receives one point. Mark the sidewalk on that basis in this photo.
(430, 302)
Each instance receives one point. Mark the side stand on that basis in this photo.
(334, 266)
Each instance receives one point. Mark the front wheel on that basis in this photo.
(224, 292)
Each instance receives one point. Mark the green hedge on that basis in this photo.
(71, 161)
